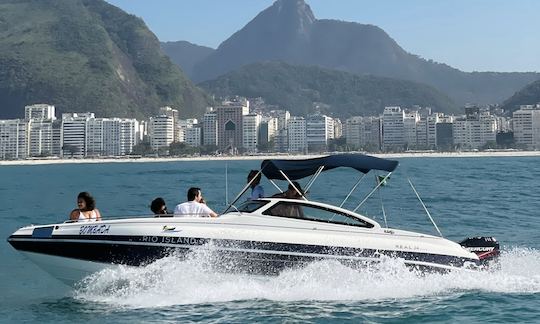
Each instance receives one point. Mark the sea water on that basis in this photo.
(487, 196)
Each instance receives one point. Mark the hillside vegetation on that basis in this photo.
(300, 88)
(86, 55)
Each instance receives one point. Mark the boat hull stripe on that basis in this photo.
(139, 250)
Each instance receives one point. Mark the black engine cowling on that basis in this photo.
(487, 248)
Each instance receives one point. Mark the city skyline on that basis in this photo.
(480, 35)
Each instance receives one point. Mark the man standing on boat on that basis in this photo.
(195, 206)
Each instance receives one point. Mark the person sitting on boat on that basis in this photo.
(159, 208)
(87, 211)
(195, 206)
(257, 190)
(291, 192)
(290, 209)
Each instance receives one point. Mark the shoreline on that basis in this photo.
(263, 157)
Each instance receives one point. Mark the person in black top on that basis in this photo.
(159, 208)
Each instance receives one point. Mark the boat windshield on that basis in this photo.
(250, 206)
(314, 213)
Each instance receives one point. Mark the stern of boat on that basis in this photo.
(485, 247)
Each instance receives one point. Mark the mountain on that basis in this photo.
(529, 95)
(299, 88)
(186, 54)
(86, 55)
(288, 31)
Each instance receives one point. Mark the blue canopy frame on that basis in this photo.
(298, 169)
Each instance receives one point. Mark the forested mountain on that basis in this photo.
(288, 31)
(301, 88)
(186, 54)
(529, 95)
(86, 55)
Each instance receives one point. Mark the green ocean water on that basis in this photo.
(467, 196)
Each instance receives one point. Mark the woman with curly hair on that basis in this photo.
(87, 211)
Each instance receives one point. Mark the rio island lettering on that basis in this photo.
(174, 240)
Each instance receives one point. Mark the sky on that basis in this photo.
(471, 35)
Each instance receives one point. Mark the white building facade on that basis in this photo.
(296, 132)
(474, 133)
(13, 139)
(209, 129)
(319, 130)
(526, 122)
(74, 134)
(250, 129)
(393, 133)
(161, 131)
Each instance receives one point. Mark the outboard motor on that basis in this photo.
(487, 248)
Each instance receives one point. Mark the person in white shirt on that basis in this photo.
(195, 205)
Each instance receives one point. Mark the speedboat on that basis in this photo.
(258, 236)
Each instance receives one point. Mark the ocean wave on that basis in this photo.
(170, 281)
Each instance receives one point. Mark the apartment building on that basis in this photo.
(250, 131)
(229, 124)
(527, 126)
(209, 128)
(319, 130)
(161, 131)
(296, 135)
(363, 132)
(74, 127)
(393, 131)
(475, 130)
(13, 140)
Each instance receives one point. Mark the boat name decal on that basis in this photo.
(94, 229)
(174, 240)
(407, 247)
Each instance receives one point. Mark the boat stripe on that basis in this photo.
(274, 248)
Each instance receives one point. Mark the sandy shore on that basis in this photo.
(262, 157)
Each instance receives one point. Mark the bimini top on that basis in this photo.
(298, 169)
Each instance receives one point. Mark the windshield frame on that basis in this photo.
(361, 222)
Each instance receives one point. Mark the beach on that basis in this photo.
(264, 157)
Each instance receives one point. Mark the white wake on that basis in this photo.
(170, 281)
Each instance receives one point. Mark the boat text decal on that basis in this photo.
(174, 240)
(94, 229)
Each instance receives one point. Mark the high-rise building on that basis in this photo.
(363, 132)
(119, 136)
(475, 130)
(13, 139)
(338, 128)
(94, 137)
(161, 131)
(171, 112)
(297, 134)
(229, 124)
(267, 130)
(410, 119)
(193, 136)
(40, 118)
(426, 130)
(445, 136)
(250, 129)
(526, 122)
(74, 133)
(40, 137)
(209, 128)
(319, 130)
(393, 133)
